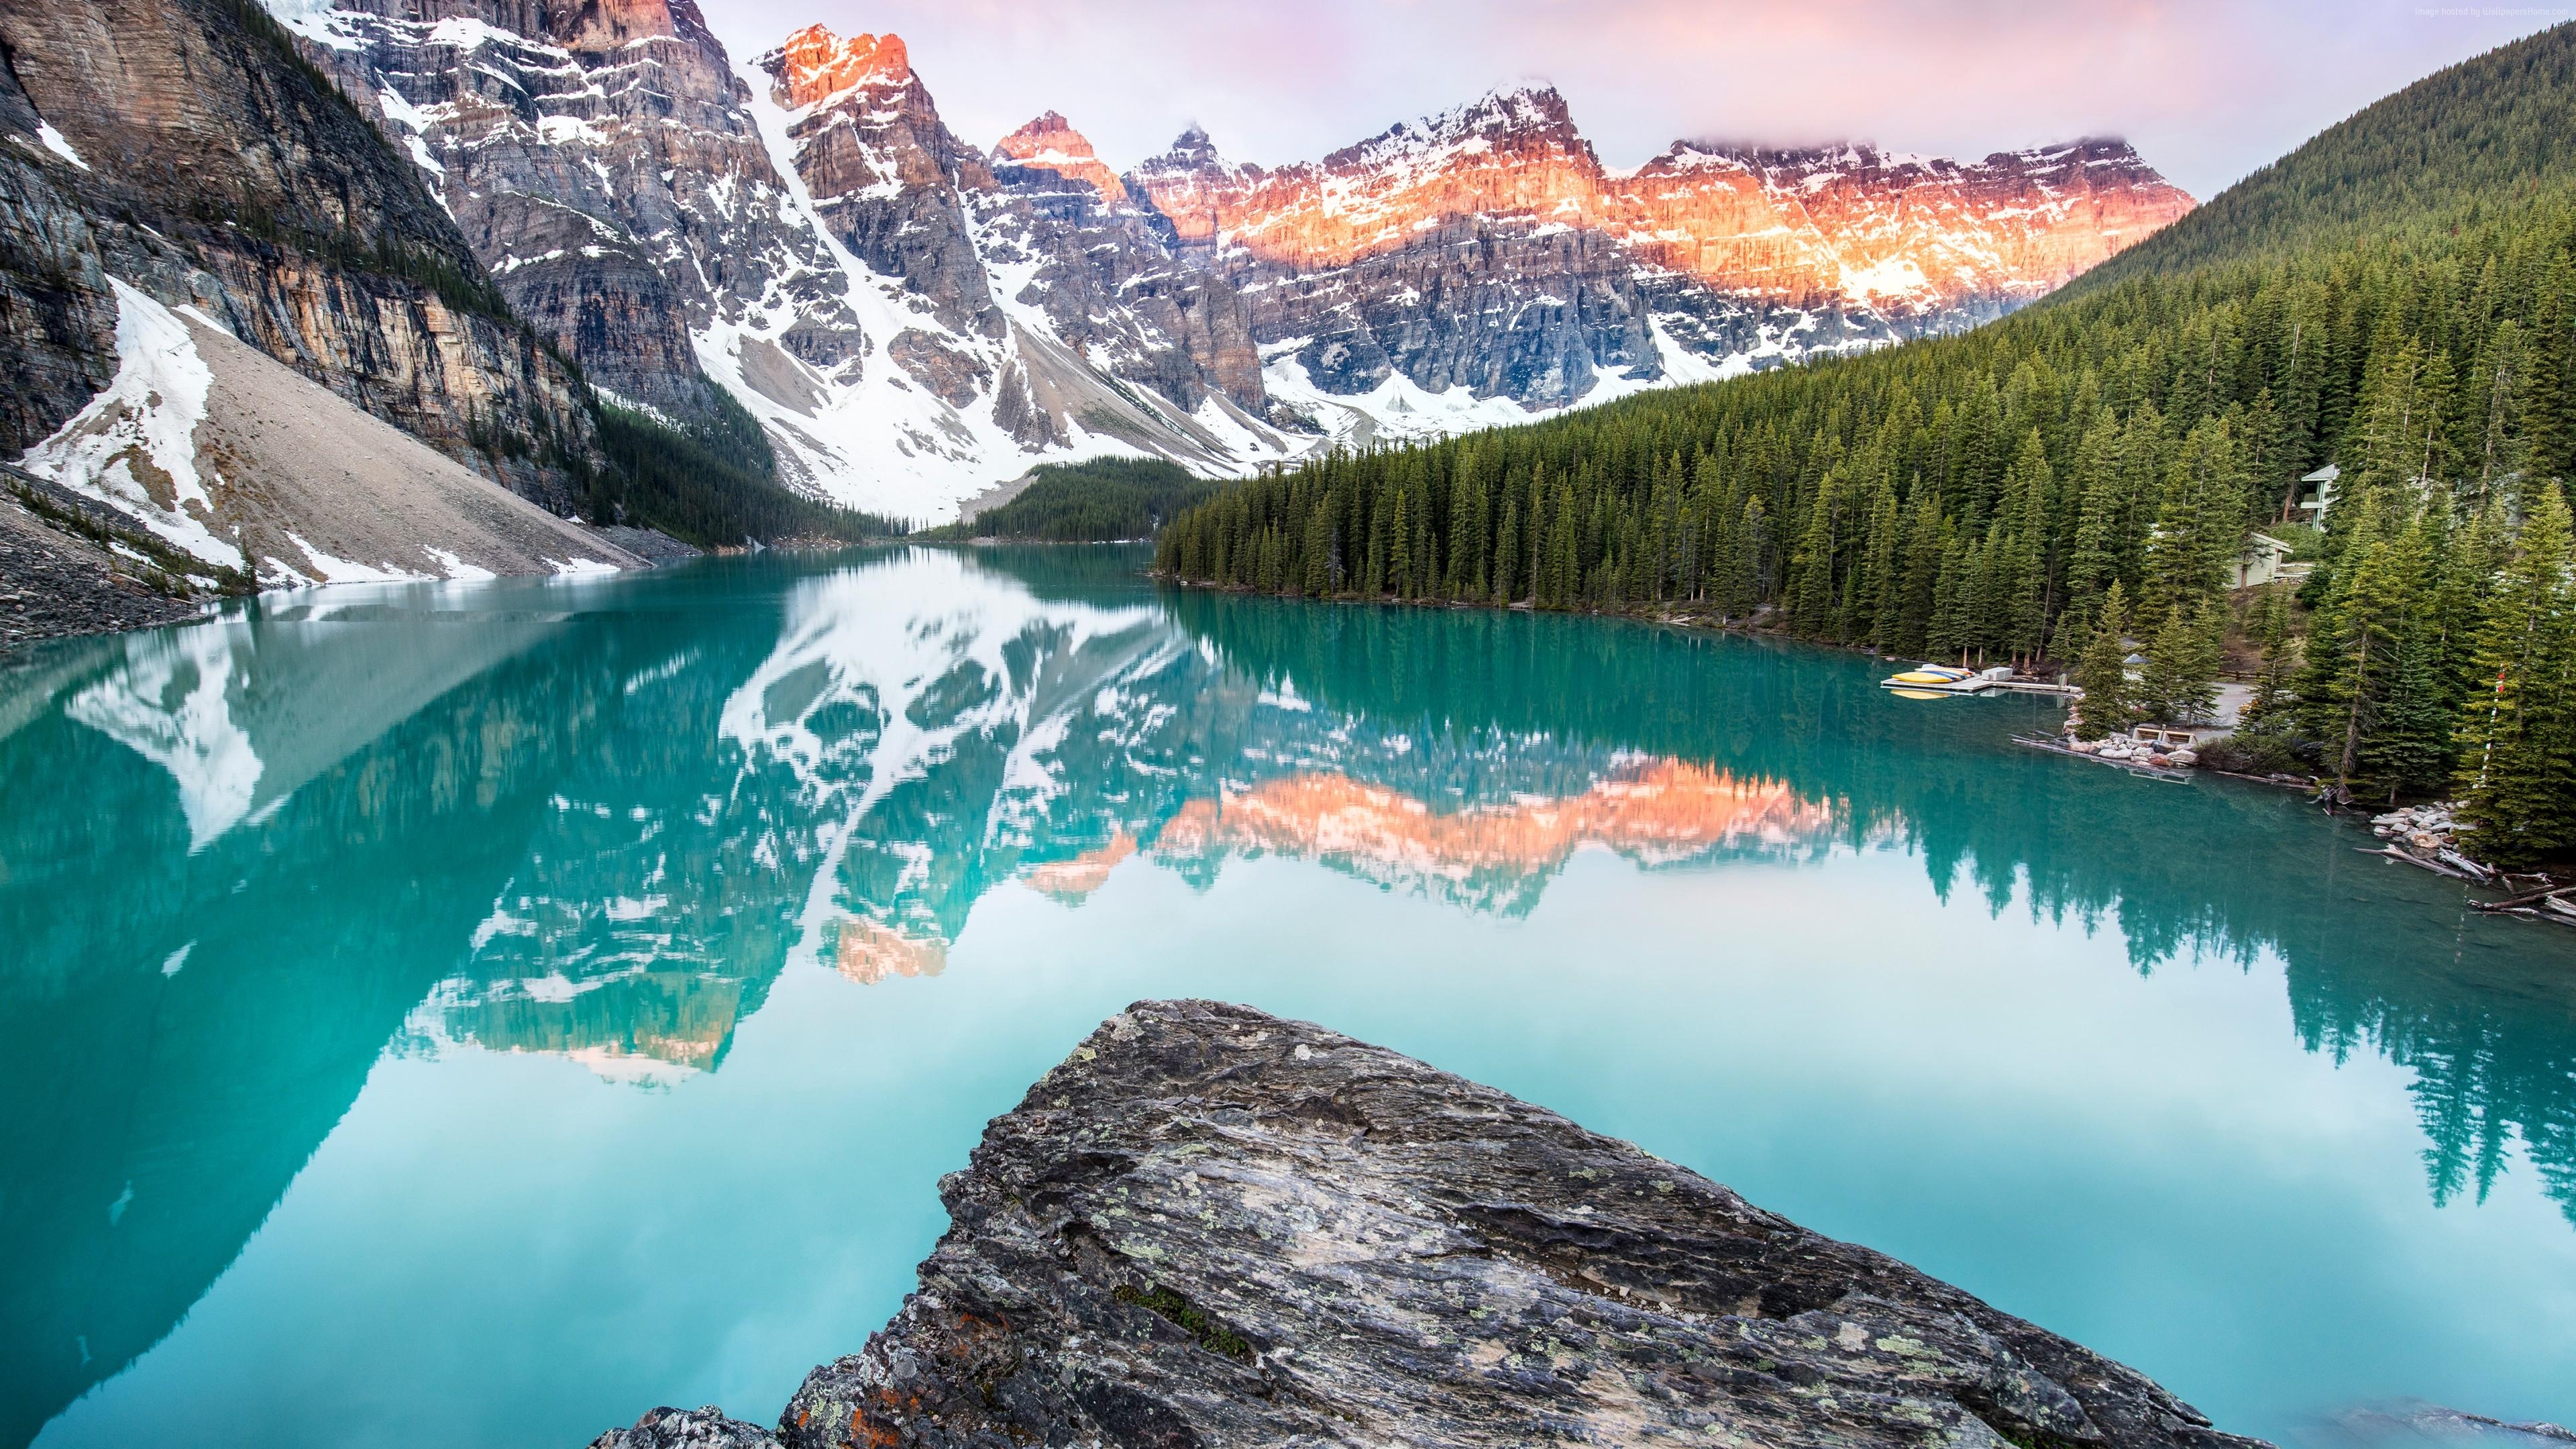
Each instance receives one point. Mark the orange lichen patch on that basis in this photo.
(868, 953)
(1050, 143)
(865, 1430)
(1664, 810)
(1072, 880)
(816, 65)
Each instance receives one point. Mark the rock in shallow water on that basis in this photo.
(1213, 1227)
(705, 1428)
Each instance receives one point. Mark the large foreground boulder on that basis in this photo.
(1213, 1227)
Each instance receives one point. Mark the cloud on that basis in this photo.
(2207, 91)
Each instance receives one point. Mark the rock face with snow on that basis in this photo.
(1065, 238)
(227, 456)
(886, 174)
(604, 163)
(802, 237)
(1029, 293)
(1454, 252)
(1212, 1226)
(179, 146)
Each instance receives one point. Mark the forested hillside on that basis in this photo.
(1099, 501)
(713, 484)
(1996, 495)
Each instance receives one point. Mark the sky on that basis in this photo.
(2206, 91)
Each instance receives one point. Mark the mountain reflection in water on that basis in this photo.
(598, 820)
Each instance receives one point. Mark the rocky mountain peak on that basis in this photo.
(815, 65)
(2097, 158)
(1908, 235)
(1514, 123)
(1050, 143)
(1531, 106)
(1192, 155)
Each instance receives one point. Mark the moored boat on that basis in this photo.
(1932, 679)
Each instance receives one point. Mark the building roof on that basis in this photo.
(2326, 474)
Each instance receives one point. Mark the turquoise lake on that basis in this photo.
(474, 1014)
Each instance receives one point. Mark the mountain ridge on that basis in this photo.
(1074, 308)
(577, 247)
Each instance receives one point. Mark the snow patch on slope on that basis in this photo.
(872, 437)
(135, 446)
(1400, 410)
(55, 143)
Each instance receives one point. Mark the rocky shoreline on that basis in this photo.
(1210, 1226)
(70, 566)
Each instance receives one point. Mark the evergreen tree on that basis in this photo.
(1507, 553)
(2179, 684)
(1320, 568)
(2093, 562)
(2102, 671)
(2515, 785)
(1399, 548)
(2274, 694)
(2024, 602)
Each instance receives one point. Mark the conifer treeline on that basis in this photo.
(1975, 495)
(1983, 497)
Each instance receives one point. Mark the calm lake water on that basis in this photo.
(463, 1015)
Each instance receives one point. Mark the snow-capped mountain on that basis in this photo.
(914, 318)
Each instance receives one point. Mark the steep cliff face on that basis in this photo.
(1050, 143)
(885, 173)
(1844, 225)
(1452, 272)
(1064, 237)
(181, 146)
(802, 237)
(1044, 315)
(602, 163)
(1923, 239)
